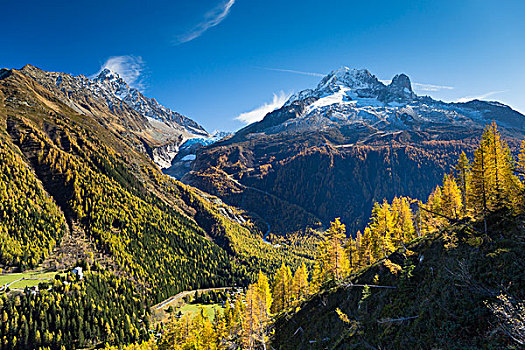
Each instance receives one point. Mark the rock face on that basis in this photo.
(148, 107)
(334, 150)
(149, 126)
(184, 156)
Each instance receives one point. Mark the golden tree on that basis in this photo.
(256, 316)
(451, 205)
(382, 227)
(493, 181)
(281, 289)
(300, 283)
(331, 262)
(403, 229)
(463, 174)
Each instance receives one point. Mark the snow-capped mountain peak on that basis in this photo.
(112, 82)
(351, 78)
(107, 74)
(401, 88)
(357, 100)
(358, 84)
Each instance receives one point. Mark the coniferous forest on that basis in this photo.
(454, 217)
(151, 250)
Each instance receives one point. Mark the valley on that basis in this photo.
(349, 217)
(262, 175)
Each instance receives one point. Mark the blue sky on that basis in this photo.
(216, 60)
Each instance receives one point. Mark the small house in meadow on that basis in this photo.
(78, 271)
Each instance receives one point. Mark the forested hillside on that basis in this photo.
(446, 272)
(451, 275)
(70, 174)
(75, 314)
(30, 221)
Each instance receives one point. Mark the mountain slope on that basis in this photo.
(92, 185)
(442, 297)
(30, 222)
(334, 150)
(151, 128)
(158, 233)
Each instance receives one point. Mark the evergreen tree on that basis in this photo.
(300, 283)
(463, 174)
(281, 289)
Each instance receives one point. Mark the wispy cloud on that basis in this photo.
(431, 87)
(423, 87)
(211, 19)
(130, 68)
(258, 113)
(416, 86)
(479, 97)
(294, 71)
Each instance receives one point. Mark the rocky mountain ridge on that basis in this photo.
(356, 100)
(152, 128)
(149, 107)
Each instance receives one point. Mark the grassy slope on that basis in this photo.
(194, 309)
(27, 279)
(8, 278)
(444, 286)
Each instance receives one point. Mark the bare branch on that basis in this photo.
(389, 320)
(350, 285)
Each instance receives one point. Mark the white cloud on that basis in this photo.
(295, 72)
(130, 68)
(258, 113)
(479, 97)
(211, 19)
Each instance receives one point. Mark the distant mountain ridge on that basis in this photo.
(355, 99)
(333, 150)
(148, 107)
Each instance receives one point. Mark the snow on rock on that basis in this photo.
(187, 153)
